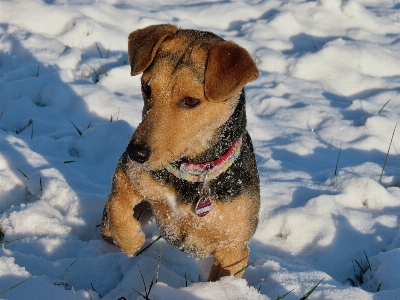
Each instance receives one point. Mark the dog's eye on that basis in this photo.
(189, 102)
(146, 89)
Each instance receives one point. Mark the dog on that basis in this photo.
(190, 162)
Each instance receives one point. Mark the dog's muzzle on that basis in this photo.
(138, 153)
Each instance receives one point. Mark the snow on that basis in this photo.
(327, 68)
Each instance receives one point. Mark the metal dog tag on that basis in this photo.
(203, 206)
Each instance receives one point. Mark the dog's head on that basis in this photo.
(191, 84)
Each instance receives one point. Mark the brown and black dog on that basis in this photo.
(190, 161)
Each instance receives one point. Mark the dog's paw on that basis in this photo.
(132, 245)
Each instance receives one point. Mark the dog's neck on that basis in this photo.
(220, 156)
(227, 134)
(201, 172)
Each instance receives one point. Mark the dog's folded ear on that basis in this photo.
(229, 68)
(144, 43)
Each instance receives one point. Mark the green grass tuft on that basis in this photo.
(101, 55)
(358, 279)
(97, 73)
(154, 280)
(112, 116)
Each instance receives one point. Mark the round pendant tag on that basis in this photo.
(203, 206)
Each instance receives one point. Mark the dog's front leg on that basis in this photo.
(119, 225)
(229, 261)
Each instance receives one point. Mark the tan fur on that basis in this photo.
(178, 64)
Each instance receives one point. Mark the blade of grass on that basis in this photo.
(262, 282)
(37, 72)
(104, 70)
(283, 296)
(359, 265)
(244, 268)
(379, 112)
(148, 246)
(186, 280)
(69, 161)
(387, 154)
(144, 282)
(155, 275)
(18, 131)
(9, 242)
(369, 265)
(13, 287)
(337, 162)
(108, 52)
(306, 295)
(1, 231)
(69, 267)
(97, 75)
(352, 282)
(77, 129)
(257, 60)
(139, 293)
(123, 57)
(98, 49)
(23, 173)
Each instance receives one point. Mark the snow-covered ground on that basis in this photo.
(68, 106)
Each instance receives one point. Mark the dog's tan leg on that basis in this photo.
(229, 261)
(118, 224)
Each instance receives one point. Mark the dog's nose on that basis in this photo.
(138, 153)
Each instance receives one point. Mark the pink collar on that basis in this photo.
(196, 172)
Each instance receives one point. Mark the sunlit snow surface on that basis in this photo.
(327, 68)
